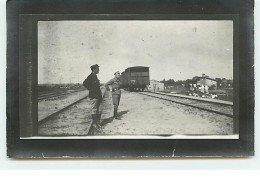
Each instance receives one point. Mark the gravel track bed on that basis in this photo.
(144, 115)
(202, 104)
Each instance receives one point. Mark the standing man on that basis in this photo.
(116, 92)
(93, 85)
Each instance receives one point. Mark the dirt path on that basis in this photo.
(51, 105)
(74, 121)
(143, 115)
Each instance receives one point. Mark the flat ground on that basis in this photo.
(51, 105)
(141, 115)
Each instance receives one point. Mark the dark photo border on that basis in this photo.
(22, 67)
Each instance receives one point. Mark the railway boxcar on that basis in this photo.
(135, 78)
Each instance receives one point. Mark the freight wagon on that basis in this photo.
(135, 78)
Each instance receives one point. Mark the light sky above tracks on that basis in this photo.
(172, 49)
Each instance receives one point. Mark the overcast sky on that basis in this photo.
(172, 49)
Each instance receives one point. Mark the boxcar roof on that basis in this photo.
(138, 67)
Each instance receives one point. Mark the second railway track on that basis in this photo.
(225, 109)
(67, 108)
(43, 96)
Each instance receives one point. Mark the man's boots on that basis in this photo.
(95, 121)
(98, 121)
(115, 114)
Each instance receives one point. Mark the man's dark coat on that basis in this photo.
(93, 85)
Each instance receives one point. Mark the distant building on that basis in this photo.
(206, 81)
(203, 75)
(155, 86)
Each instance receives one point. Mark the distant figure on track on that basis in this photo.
(93, 85)
(116, 92)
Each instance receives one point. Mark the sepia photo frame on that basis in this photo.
(22, 73)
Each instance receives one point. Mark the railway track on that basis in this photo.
(55, 94)
(213, 106)
(68, 107)
(61, 110)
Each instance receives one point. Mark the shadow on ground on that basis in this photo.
(110, 119)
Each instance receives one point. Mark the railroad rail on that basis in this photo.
(55, 94)
(214, 106)
(103, 90)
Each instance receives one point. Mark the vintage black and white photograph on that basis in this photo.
(136, 79)
(130, 79)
